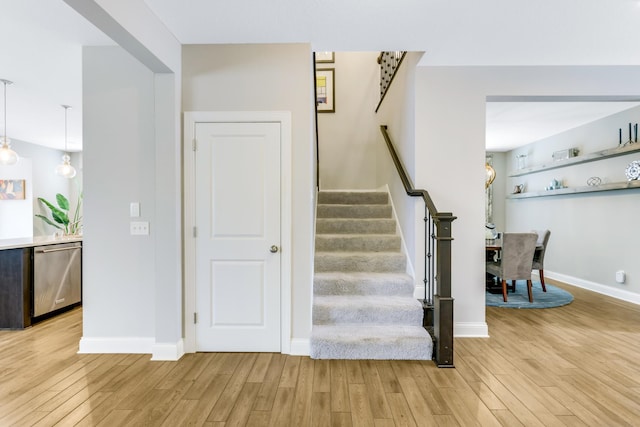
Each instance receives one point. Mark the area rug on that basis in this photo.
(554, 297)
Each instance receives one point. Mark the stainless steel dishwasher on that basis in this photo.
(57, 277)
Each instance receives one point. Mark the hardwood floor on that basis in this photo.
(570, 366)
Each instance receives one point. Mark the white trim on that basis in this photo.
(128, 345)
(403, 244)
(190, 120)
(300, 347)
(171, 352)
(610, 291)
(470, 330)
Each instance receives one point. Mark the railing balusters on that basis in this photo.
(389, 63)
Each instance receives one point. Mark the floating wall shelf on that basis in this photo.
(598, 155)
(577, 190)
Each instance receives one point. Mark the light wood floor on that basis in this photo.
(571, 366)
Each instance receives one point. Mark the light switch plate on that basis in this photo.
(134, 210)
(139, 228)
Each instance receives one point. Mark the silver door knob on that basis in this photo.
(273, 249)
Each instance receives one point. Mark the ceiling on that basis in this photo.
(41, 43)
(513, 124)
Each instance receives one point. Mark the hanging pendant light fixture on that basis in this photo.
(7, 155)
(65, 169)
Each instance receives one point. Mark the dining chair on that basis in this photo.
(538, 256)
(516, 260)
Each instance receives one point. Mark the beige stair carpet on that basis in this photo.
(363, 304)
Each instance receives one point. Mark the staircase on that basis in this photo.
(363, 304)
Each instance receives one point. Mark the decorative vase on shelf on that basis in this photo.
(522, 161)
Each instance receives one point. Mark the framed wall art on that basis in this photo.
(12, 189)
(325, 90)
(325, 57)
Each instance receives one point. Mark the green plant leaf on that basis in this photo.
(58, 216)
(63, 202)
(48, 221)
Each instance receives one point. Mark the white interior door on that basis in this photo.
(237, 201)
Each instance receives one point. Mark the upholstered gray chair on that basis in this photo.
(516, 260)
(538, 256)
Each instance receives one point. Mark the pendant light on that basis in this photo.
(7, 155)
(65, 169)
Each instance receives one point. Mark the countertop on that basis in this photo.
(27, 242)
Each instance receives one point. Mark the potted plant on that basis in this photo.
(70, 226)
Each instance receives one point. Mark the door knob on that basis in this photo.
(273, 249)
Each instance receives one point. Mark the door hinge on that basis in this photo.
(194, 144)
(195, 318)
(195, 231)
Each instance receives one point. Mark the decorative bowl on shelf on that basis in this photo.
(593, 181)
(633, 170)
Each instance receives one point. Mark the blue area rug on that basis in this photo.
(554, 297)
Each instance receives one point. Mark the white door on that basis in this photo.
(238, 236)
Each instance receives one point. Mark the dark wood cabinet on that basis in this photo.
(15, 288)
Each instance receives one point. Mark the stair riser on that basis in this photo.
(355, 226)
(370, 243)
(402, 349)
(331, 315)
(389, 262)
(353, 197)
(354, 211)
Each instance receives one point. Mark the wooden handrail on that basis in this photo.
(438, 305)
(406, 181)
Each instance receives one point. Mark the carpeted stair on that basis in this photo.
(363, 304)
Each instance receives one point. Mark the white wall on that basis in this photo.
(593, 235)
(267, 78)
(37, 166)
(119, 158)
(16, 216)
(397, 112)
(450, 130)
(349, 137)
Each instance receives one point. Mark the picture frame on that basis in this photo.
(325, 57)
(325, 90)
(12, 189)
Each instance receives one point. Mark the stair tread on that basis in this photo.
(360, 275)
(359, 253)
(353, 197)
(359, 301)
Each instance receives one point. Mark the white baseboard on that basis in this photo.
(595, 287)
(460, 329)
(300, 347)
(470, 330)
(129, 345)
(168, 352)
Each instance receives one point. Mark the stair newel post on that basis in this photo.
(443, 302)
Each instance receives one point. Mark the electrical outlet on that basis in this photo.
(139, 228)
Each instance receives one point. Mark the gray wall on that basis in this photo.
(119, 157)
(267, 78)
(593, 235)
(450, 135)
